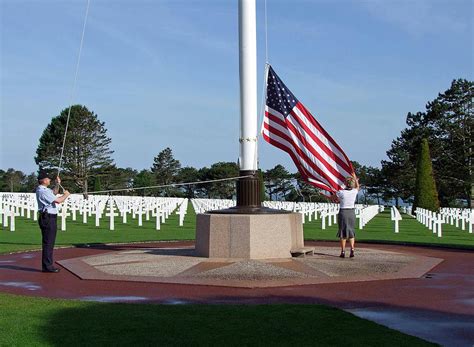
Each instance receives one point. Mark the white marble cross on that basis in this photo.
(85, 211)
(6, 211)
(140, 215)
(157, 214)
(12, 219)
(64, 215)
(111, 214)
(98, 214)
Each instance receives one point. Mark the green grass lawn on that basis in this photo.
(380, 229)
(53, 322)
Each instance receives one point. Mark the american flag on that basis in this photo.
(289, 126)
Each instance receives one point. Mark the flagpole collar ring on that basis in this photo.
(247, 139)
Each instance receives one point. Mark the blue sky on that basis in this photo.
(165, 73)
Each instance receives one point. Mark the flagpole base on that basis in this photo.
(249, 210)
(249, 197)
(249, 190)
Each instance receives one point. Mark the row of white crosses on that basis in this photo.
(141, 208)
(395, 216)
(25, 205)
(453, 216)
(458, 217)
(431, 220)
(366, 213)
(310, 210)
(16, 205)
(204, 205)
(329, 211)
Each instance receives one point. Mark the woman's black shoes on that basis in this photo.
(343, 254)
(54, 270)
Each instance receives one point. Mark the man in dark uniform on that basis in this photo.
(47, 220)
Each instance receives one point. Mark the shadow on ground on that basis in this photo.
(213, 325)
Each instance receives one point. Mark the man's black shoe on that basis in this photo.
(53, 270)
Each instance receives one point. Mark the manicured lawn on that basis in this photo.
(380, 229)
(52, 322)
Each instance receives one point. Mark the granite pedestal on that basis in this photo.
(248, 236)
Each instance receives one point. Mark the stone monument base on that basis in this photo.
(249, 236)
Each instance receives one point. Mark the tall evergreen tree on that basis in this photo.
(426, 195)
(165, 169)
(86, 148)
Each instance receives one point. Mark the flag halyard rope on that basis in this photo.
(170, 185)
(73, 88)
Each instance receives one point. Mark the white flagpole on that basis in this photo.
(248, 85)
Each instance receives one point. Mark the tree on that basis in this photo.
(11, 180)
(374, 184)
(188, 174)
(86, 148)
(370, 180)
(112, 177)
(307, 192)
(224, 189)
(29, 183)
(165, 169)
(278, 182)
(144, 178)
(451, 115)
(97, 184)
(447, 123)
(426, 195)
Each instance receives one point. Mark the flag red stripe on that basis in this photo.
(337, 159)
(317, 155)
(275, 143)
(339, 166)
(300, 168)
(320, 185)
(303, 157)
(300, 157)
(316, 124)
(318, 174)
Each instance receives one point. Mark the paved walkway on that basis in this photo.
(438, 306)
